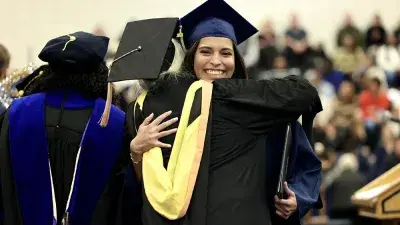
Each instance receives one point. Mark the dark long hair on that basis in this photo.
(91, 84)
(240, 69)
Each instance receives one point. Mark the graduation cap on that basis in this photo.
(141, 53)
(78, 51)
(215, 18)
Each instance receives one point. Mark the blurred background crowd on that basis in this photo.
(358, 81)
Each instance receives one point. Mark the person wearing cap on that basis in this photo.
(216, 171)
(131, 206)
(213, 31)
(57, 164)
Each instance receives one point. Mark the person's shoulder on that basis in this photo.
(25, 100)
(171, 80)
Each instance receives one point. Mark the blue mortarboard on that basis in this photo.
(215, 18)
(77, 49)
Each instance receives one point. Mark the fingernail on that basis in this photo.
(170, 111)
(176, 118)
(151, 114)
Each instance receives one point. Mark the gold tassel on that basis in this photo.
(106, 113)
(107, 109)
(180, 36)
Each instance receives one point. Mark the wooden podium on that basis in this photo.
(380, 199)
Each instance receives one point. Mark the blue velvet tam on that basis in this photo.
(76, 50)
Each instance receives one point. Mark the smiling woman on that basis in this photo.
(213, 58)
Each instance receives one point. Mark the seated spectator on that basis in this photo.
(373, 102)
(376, 33)
(349, 28)
(298, 53)
(388, 154)
(260, 50)
(349, 57)
(341, 183)
(388, 58)
(4, 61)
(345, 130)
(296, 36)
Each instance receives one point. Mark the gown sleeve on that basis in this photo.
(130, 206)
(304, 175)
(305, 172)
(259, 105)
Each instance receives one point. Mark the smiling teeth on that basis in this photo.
(214, 72)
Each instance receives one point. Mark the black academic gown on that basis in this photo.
(64, 130)
(231, 184)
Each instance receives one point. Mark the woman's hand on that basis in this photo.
(286, 207)
(149, 133)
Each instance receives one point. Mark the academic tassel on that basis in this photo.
(106, 113)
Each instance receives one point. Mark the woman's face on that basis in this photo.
(214, 58)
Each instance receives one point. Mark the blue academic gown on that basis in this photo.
(304, 171)
(27, 155)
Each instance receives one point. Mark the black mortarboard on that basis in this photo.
(143, 49)
(79, 49)
(141, 53)
(215, 18)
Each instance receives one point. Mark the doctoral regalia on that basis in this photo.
(57, 165)
(216, 172)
